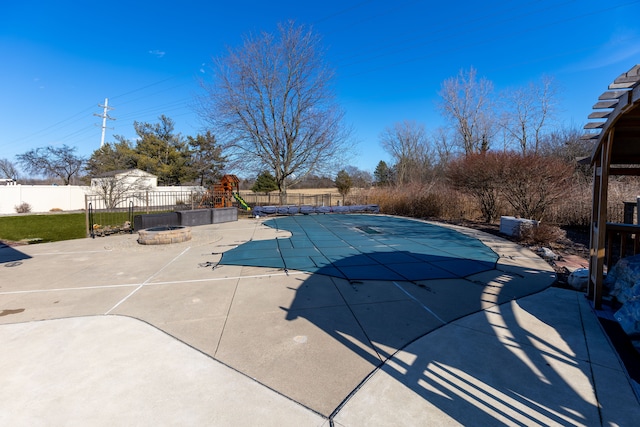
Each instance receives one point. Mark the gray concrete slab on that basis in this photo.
(55, 304)
(293, 338)
(112, 370)
(441, 297)
(522, 363)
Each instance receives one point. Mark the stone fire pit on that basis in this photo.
(164, 235)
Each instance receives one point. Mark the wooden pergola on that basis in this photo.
(617, 152)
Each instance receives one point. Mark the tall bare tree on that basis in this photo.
(272, 106)
(360, 178)
(566, 143)
(466, 104)
(8, 169)
(443, 147)
(529, 111)
(407, 143)
(59, 162)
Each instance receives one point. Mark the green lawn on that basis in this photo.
(49, 228)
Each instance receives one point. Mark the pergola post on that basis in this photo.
(616, 152)
(599, 221)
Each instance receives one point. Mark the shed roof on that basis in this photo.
(137, 172)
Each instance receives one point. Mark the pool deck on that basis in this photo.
(109, 332)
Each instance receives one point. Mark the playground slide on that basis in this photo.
(241, 201)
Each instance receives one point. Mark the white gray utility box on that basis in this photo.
(512, 226)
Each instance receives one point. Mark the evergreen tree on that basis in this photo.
(344, 183)
(163, 153)
(207, 160)
(382, 174)
(265, 183)
(112, 157)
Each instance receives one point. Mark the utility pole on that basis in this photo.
(105, 116)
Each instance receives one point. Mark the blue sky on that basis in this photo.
(59, 60)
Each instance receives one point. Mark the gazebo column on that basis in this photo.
(599, 221)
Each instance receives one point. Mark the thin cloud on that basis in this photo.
(620, 47)
(157, 53)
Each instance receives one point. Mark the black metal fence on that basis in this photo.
(103, 218)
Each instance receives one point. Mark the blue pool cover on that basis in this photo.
(366, 247)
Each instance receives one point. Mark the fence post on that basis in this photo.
(147, 200)
(86, 214)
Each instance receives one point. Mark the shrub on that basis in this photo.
(420, 201)
(543, 234)
(23, 207)
(531, 184)
(479, 176)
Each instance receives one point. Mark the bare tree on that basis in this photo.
(60, 162)
(566, 143)
(443, 147)
(466, 104)
(528, 112)
(360, 178)
(407, 143)
(272, 106)
(114, 187)
(8, 169)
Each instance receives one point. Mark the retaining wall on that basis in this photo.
(186, 218)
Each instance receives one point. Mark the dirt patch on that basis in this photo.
(11, 243)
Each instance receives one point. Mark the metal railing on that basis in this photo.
(104, 218)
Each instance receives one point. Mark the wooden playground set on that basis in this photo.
(223, 194)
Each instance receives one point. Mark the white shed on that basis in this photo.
(128, 178)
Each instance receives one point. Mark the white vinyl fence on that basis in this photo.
(45, 198)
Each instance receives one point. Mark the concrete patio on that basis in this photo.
(109, 332)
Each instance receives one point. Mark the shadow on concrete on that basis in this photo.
(437, 314)
(487, 368)
(10, 256)
(513, 376)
